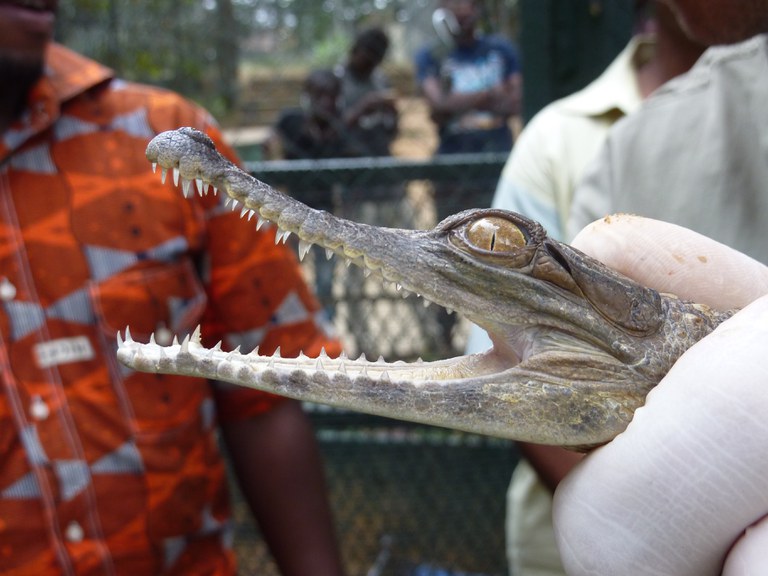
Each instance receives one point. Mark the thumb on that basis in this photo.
(673, 259)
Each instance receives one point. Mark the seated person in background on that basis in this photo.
(367, 99)
(315, 131)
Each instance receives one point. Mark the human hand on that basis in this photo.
(684, 490)
(498, 100)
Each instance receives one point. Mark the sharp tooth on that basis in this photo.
(163, 174)
(201, 186)
(303, 249)
(251, 214)
(175, 176)
(227, 201)
(328, 253)
(281, 236)
(185, 187)
(215, 191)
(260, 222)
(154, 167)
(243, 211)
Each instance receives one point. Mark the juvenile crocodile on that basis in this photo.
(576, 346)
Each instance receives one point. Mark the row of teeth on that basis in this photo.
(321, 362)
(280, 235)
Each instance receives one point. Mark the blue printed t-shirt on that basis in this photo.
(490, 61)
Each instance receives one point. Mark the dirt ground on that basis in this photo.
(417, 138)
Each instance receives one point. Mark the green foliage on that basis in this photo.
(329, 51)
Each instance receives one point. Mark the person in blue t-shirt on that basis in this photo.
(471, 82)
(472, 85)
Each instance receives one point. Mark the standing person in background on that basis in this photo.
(471, 82)
(369, 108)
(538, 181)
(104, 470)
(368, 101)
(472, 85)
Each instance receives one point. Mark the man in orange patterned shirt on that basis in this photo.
(102, 470)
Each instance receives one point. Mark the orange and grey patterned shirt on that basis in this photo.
(103, 470)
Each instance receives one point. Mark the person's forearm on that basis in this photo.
(551, 463)
(446, 103)
(280, 472)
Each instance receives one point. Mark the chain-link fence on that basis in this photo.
(370, 316)
(408, 500)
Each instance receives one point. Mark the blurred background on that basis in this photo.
(409, 500)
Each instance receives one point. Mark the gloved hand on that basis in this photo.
(684, 490)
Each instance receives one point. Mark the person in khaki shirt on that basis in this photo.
(538, 180)
(682, 490)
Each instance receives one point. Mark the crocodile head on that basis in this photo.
(576, 346)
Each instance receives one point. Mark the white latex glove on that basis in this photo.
(684, 490)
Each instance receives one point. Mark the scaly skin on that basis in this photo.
(576, 346)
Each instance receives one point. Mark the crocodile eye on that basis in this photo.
(495, 234)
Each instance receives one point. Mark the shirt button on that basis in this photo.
(39, 409)
(74, 532)
(163, 336)
(7, 290)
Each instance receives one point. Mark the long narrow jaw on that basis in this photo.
(550, 381)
